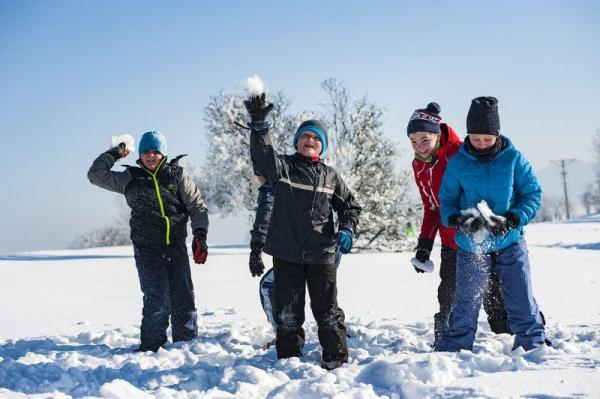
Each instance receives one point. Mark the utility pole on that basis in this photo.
(563, 165)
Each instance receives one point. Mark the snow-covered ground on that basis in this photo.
(69, 322)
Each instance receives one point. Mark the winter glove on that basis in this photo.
(118, 152)
(344, 240)
(199, 247)
(258, 109)
(467, 223)
(257, 267)
(424, 247)
(503, 224)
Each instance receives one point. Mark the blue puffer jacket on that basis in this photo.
(506, 183)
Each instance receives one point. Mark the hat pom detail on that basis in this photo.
(433, 108)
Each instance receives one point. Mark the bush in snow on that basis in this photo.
(105, 236)
(358, 150)
(112, 234)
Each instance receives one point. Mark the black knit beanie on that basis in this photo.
(425, 120)
(483, 116)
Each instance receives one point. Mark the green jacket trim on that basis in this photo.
(159, 197)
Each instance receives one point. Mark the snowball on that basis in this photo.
(487, 213)
(124, 138)
(254, 85)
(425, 266)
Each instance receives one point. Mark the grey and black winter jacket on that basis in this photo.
(160, 202)
(307, 193)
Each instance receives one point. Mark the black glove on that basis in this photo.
(503, 225)
(467, 223)
(257, 267)
(257, 108)
(118, 152)
(423, 248)
(199, 247)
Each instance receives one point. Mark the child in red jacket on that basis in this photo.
(434, 142)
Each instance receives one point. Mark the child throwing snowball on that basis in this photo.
(161, 197)
(489, 168)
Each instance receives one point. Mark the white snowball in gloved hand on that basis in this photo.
(425, 266)
(124, 138)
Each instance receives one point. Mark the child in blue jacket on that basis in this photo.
(489, 168)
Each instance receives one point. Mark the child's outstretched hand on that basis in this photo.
(257, 108)
(118, 152)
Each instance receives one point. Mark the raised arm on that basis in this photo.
(264, 158)
(101, 175)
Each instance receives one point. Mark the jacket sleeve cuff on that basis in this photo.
(347, 227)
(425, 243)
(200, 234)
(513, 218)
(259, 126)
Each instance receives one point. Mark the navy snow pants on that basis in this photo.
(493, 303)
(511, 265)
(166, 282)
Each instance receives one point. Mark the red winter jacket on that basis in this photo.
(428, 176)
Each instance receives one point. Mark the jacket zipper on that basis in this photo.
(160, 202)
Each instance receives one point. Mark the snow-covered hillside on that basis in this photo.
(69, 324)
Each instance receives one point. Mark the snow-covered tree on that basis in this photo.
(366, 160)
(227, 178)
(553, 208)
(358, 150)
(594, 195)
(588, 199)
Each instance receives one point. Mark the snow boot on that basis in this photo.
(332, 365)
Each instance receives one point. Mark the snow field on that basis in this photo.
(70, 322)
(388, 359)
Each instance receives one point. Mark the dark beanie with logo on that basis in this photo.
(425, 120)
(483, 116)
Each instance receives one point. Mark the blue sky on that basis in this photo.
(73, 73)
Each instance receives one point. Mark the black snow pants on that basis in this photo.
(291, 280)
(166, 282)
(493, 302)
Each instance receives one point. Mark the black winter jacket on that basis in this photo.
(160, 202)
(307, 193)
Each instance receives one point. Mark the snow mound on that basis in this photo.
(387, 359)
